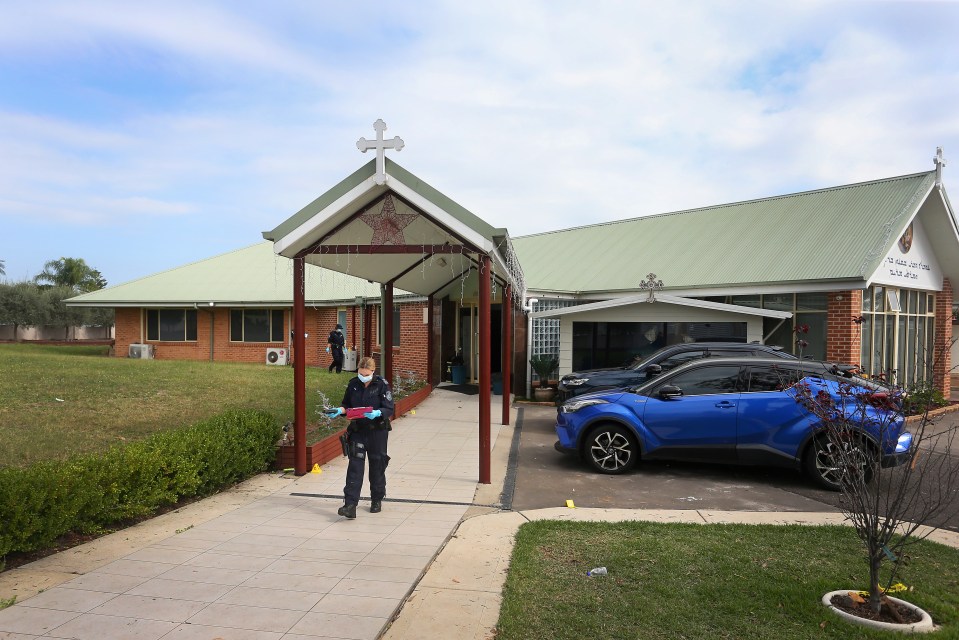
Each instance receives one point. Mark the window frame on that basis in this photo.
(702, 369)
(276, 320)
(155, 315)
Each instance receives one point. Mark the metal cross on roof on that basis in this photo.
(381, 146)
(940, 163)
(651, 284)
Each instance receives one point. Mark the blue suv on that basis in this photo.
(733, 410)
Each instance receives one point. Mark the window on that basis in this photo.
(772, 379)
(707, 380)
(256, 325)
(396, 327)
(545, 338)
(808, 309)
(619, 344)
(897, 334)
(171, 325)
(341, 316)
(681, 358)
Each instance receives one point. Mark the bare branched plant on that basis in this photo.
(405, 383)
(899, 480)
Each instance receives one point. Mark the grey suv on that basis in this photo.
(638, 372)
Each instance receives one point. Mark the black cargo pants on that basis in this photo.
(374, 441)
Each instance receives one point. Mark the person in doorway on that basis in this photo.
(367, 436)
(336, 341)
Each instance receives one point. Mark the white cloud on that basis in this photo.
(534, 115)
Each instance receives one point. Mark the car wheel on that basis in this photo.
(830, 458)
(611, 448)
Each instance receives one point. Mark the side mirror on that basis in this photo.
(653, 370)
(670, 392)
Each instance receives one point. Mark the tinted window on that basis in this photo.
(706, 380)
(171, 325)
(771, 379)
(256, 325)
(675, 360)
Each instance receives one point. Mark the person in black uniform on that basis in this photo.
(336, 343)
(368, 436)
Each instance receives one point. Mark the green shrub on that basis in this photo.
(87, 494)
(544, 366)
(922, 396)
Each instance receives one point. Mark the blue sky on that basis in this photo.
(143, 136)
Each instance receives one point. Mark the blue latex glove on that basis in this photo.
(332, 413)
(373, 415)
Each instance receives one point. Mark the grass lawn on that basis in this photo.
(703, 581)
(56, 401)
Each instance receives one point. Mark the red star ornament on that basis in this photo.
(388, 225)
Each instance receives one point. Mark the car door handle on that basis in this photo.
(725, 404)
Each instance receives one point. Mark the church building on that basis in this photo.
(859, 273)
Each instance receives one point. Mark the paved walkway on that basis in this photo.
(272, 560)
(280, 564)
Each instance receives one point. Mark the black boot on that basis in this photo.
(376, 506)
(348, 511)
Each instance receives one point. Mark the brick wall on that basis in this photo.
(843, 338)
(319, 321)
(942, 358)
(126, 330)
(410, 355)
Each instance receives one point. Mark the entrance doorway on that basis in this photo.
(469, 339)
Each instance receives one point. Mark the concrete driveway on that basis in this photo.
(546, 478)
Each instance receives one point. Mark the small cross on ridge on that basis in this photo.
(651, 284)
(381, 146)
(940, 163)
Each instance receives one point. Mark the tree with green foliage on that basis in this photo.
(70, 272)
(60, 314)
(27, 304)
(20, 304)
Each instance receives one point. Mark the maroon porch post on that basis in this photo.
(299, 369)
(484, 370)
(388, 332)
(507, 313)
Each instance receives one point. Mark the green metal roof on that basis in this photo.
(336, 221)
(454, 209)
(252, 276)
(835, 234)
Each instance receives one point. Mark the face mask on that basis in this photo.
(364, 379)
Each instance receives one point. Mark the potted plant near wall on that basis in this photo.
(544, 366)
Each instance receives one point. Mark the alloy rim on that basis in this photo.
(833, 463)
(611, 451)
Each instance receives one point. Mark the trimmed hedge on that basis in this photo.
(90, 493)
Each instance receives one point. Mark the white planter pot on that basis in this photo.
(923, 626)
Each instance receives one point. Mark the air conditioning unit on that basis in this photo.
(278, 356)
(141, 351)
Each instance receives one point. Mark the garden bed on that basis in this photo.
(329, 447)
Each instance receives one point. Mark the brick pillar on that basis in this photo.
(942, 353)
(843, 341)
